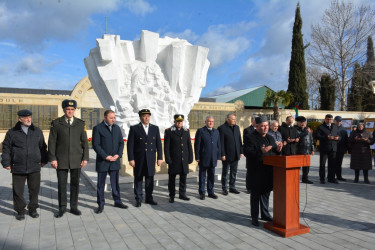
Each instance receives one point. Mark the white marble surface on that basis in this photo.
(165, 75)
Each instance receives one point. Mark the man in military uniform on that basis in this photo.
(178, 155)
(143, 144)
(68, 151)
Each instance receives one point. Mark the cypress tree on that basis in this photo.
(297, 71)
(368, 102)
(327, 92)
(355, 95)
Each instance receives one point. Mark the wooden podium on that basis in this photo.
(286, 194)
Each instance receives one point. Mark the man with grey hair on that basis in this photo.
(207, 154)
(231, 152)
(275, 133)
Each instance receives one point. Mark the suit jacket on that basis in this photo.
(178, 150)
(68, 144)
(231, 142)
(207, 147)
(247, 131)
(106, 142)
(142, 148)
(342, 145)
(289, 132)
(322, 133)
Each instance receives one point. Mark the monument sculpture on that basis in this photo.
(165, 75)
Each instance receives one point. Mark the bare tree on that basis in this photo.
(340, 41)
(313, 75)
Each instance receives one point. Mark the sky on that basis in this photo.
(43, 42)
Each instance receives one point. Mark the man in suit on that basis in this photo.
(231, 153)
(342, 147)
(290, 136)
(207, 154)
(247, 131)
(108, 144)
(68, 151)
(178, 155)
(143, 144)
(328, 135)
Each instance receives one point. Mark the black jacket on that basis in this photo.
(247, 130)
(305, 145)
(289, 132)
(322, 133)
(342, 145)
(24, 153)
(231, 142)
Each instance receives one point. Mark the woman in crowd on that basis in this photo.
(361, 159)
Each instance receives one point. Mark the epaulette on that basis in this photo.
(168, 129)
(79, 119)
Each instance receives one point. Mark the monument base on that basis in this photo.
(301, 229)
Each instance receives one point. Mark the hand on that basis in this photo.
(7, 168)
(290, 140)
(83, 164)
(312, 152)
(241, 155)
(160, 162)
(285, 143)
(109, 158)
(198, 161)
(223, 158)
(297, 139)
(265, 149)
(54, 164)
(336, 138)
(115, 157)
(132, 163)
(279, 147)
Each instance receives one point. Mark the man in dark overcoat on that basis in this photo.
(290, 136)
(108, 144)
(305, 146)
(143, 144)
(178, 155)
(207, 154)
(231, 152)
(246, 131)
(328, 136)
(24, 153)
(68, 151)
(257, 145)
(342, 147)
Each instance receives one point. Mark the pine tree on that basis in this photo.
(297, 71)
(327, 93)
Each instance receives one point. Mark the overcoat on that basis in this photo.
(231, 142)
(360, 158)
(106, 142)
(322, 133)
(143, 148)
(68, 143)
(207, 147)
(178, 150)
(289, 132)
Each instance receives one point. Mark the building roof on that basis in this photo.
(34, 91)
(233, 95)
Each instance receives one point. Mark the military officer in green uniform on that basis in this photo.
(68, 152)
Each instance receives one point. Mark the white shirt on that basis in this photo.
(71, 120)
(146, 127)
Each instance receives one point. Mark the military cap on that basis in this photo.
(300, 119)
(179, 118)
(338, 118)
(144, 112)
(261, 119)
(69, 103)
(24, 112)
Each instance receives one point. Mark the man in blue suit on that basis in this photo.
(143, 144)
(207, 153)
(108, 144)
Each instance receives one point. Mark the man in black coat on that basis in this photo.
(108, 144)
(178, 155)
(257, 145)
(231, 153)
(305, 145)
(143, 144)
(24, 152)
(342, 147)
(290, 136)
(207, 154)
(328, 136)
(247, 131)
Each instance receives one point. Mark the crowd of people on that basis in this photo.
(25, 152)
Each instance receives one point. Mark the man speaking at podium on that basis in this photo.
(256, 146)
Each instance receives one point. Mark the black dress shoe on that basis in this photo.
(266, 218)
(121, 205)
(255, 223)
(152, 202)
(234, 191)
(33, 214)
(202, 196)
(75, 211)
(184, 197)
(171, 199)
(248, 191)
(307, 182)
(355, 180)
(60, 213)
(367, 181)
(322, 182)
(341, 179)
(213, 196)
(138, 204)
(99, 210)
(225, 192)
(20, 216)
(333, 181)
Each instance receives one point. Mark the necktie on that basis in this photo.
(69, 122)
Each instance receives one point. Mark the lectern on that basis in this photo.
(286, 194)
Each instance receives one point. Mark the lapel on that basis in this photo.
(142, 130)
(105, 128)
(63, 122)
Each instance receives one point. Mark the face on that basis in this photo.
(262, 128)
(308, 129)
(178, 124)
(69, 112)
(275, 126)
(110, 118)
(301, 124)
(253, 122)
(338, 123)
(25, 120)
(231, 120)
(210, 122)
(360, 127)
(145, 119)
(328, 120)
(289, 121)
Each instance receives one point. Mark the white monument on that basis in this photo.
(165, 75)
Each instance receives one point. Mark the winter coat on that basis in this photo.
(360, 158)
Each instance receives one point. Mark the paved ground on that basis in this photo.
(340, 216)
